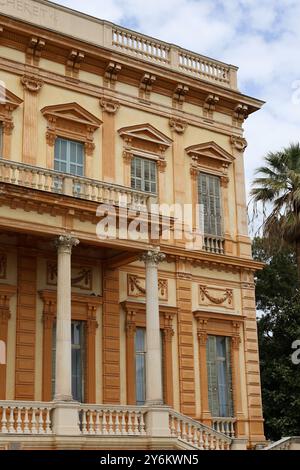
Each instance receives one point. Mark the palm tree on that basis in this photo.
(277, 187)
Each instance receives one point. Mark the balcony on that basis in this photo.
(36, 425)
(80, 187)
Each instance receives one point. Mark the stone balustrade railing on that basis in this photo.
(102, 33)
(213, 244)
(25, 417)
(200, 436)
(286, 443)
(112, 421)
(174, 57)
(52, 181)
(225, 426)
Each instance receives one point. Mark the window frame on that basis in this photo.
(68, 161)
(152, 164)
(211, 198)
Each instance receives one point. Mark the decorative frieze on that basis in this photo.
(82, 276)
(32, 83)
(111, 74)
(238, 143)
(178, 125)
(240, 113)
(73, 63)
(34, 50)
(146, 84)
(179, 95)
(109, 105)
(136, 287)
(209, 105)
(217, 296)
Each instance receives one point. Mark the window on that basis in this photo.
(140, 365)
(143, 174)
(219, 376)
(209, 194)
(69, 157)
(78, 359)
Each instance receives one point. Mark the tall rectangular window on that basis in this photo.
(143, 174)
(78, 359)
(219, 376)
(140, 365)
(69, 157)
(209, 196)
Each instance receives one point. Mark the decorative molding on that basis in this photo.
(8, 103)
(32, 83)
(3, 265)
(145, 86)
(241, 112)
(209, 157)
(72, 121)
(34, 50)
(238, 143)
(66, 242)
(153, 257)
(178, 125)
(179, 95)
(215, 295)
(73, 63)
(109, 105)
(111, 74)
(6, 292)
(82, 276)
(209, 105)
(136, 287)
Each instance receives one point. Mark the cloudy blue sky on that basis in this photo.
(262, 37)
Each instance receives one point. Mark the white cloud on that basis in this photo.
(262, 37)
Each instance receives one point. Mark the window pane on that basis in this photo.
(143, 174)
(140, 365)
(210, 204)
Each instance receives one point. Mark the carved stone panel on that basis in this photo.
(136, 287)
(82, 276)
(215, 296)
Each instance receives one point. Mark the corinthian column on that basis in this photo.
(154, 394)
(63, 369)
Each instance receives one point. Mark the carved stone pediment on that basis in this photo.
(145, 135)
(209, 156)
(72, 121)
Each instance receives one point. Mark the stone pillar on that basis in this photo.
(63, 370)
(154, 393)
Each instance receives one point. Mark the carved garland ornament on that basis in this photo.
(32, 83)
(136, 287)
(228, 295)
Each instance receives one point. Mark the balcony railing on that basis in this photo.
(213, 244)
(112, 421)
(52, 181)
(155, 51)
(25, 417)
(224, 425)
(197, 434)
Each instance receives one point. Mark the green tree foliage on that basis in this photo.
(278, 303)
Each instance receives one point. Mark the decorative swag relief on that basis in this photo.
(82, 276)
(218, 296)
(136, 287)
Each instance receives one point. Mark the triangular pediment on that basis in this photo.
(7, 97)
(71, 112)
(209, 150)
(145, 132)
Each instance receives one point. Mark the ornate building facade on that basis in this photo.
(112, 341)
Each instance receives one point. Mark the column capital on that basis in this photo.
(66, 242)
(152, 257)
